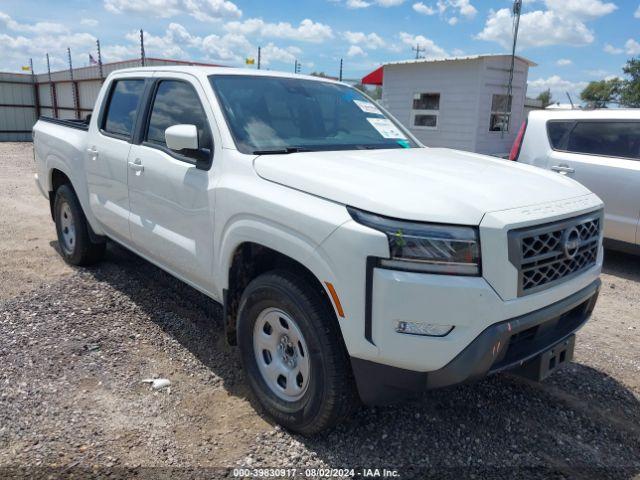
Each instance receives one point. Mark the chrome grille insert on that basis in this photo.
(546, 255)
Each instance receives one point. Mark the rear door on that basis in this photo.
(172, 201)
(603, 155)
(106, 157)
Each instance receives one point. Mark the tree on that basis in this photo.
(630, 93)
(375, 93)
(546, 98)
(602, 93)
(624, 92)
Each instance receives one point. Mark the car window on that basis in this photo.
(557, 131)
(606, 138)
(177, 103)
(123, 105)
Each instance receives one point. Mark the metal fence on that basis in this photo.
(61, 94)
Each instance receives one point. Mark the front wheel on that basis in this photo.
(293, 354)
(72, 228)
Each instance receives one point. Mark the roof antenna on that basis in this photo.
(517, 9)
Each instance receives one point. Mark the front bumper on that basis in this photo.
(505, 345)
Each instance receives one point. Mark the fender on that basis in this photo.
(280, 238)
(55, 162)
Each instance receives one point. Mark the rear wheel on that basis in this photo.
(293, 354)
(72, 228)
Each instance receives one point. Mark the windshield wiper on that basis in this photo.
(281, 151)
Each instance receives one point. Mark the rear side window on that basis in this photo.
(558, 131)
(177, 103)
(123, 105)
(606, 138)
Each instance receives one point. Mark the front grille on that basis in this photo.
(549, 254)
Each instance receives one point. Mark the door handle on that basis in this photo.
(136, 165)
(563, 169)
(93, 152)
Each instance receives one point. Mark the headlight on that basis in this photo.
(426, 247)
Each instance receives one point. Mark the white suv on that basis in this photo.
(598, 148)
(348, 257)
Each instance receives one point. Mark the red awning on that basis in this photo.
(374, 78)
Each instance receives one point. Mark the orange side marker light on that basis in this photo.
(336, 300)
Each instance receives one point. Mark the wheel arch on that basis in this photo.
(248, 260)
(56, 179)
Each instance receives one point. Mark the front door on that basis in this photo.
(172, 201)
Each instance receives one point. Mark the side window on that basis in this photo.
(177, 103)
(425, 110)
(606, 138)
(122, 107)
(557, 131)
(500, 113)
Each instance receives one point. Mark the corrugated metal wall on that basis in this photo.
(17, 107)
(20, 107)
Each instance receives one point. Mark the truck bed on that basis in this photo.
(82, 124)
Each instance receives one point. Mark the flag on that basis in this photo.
(92, 61)
(250, 61)
(26, 68)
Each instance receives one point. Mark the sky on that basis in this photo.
(572, 41)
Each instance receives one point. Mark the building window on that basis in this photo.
(500, 113)
(425, 111)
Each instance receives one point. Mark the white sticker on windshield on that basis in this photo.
(386, 128)
(367, 107)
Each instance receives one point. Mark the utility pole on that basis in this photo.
(340, 77)
(142, 55)
(100, 60)
(570, 101)
(259, 52)
(417, 49)
(517, 10)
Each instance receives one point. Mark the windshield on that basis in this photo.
(287, 115)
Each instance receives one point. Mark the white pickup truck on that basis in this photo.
(352, 262)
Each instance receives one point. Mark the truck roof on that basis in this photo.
(204, 71)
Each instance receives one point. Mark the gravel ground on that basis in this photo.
(77, 344)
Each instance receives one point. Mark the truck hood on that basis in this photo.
(423, 184)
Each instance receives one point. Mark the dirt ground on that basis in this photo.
(77, 343)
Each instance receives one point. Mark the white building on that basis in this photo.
(458, 102)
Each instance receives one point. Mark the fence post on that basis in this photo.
(100, 60)
(74, 87)
(52, 89)
(36, 94)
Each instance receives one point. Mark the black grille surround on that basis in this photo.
(546, 255)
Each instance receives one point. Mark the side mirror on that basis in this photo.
(181, 137)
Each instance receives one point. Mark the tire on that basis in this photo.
(72, 228)
(326, 393)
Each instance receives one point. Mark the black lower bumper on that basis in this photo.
(502, 346)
